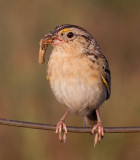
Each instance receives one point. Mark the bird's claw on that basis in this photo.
(61, 129)
(99, 134)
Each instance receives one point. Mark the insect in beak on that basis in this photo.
(44, 42)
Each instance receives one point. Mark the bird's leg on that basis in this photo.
(61, 128)
(100, 130)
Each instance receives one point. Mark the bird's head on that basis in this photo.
(71, 38)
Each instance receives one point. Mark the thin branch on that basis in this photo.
(70, 128)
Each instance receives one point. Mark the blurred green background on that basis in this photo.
(25, 93)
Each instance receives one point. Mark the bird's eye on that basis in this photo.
(70, 34)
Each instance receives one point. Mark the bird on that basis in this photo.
(78, 74)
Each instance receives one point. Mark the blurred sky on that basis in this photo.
(25, 94)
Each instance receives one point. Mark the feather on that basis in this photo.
(105, 73)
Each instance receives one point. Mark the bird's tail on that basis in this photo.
(90, 119)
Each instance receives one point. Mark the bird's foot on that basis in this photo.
(99, 134)
(61, 129)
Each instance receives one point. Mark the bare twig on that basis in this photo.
(70, 129)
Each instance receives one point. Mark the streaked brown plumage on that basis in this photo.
(78, 73)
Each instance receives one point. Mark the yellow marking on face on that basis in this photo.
(65, 30)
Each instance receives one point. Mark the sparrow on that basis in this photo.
(78, 74)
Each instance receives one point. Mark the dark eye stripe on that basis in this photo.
(87, 38)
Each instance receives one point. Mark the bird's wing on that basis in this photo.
(105, 73)
(104, 68)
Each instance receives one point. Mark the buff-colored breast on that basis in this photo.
(76, 81)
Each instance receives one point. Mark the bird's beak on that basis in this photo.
(48, 39)
(44, 42)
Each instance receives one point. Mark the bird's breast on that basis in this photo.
(76, 82)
